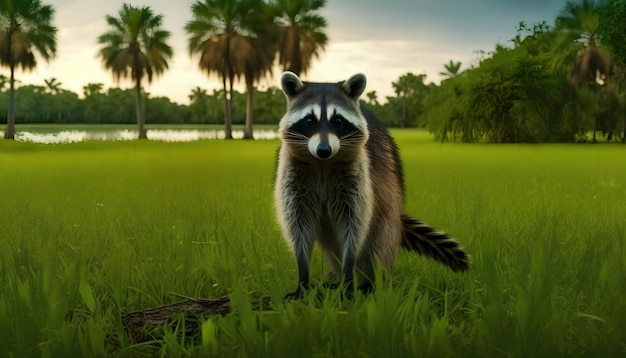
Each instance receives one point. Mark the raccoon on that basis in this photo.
(339, 181)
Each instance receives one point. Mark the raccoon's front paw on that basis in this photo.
(331, 285)
(298, 293)
(366, 288)
(348, 288)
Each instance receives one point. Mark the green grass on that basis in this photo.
(89, 231)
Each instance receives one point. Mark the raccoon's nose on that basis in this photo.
(324, 151)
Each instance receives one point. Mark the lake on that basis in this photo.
(165, 135)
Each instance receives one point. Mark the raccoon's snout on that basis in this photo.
(324, 151)
(323, 148)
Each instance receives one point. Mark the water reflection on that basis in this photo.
(165, 135)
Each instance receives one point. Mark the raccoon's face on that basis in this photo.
(323, 118)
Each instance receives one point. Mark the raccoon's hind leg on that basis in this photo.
(380, 248)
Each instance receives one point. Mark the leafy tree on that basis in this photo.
(205, 108)
(269, 106)
(302, 33)
(66, 107)
(612, 35)
(162, 110)
(198, 104)
(34, 105)
(410, 90)
(25, 28)
(118, 106)
(612, 29)
(94, 102)
(516, 94)
(136, 47)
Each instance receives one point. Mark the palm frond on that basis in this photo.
(135, 44)
(25, 29)
(303, 36)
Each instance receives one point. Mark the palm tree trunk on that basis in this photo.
(9, 131)
(229, 127)
(141, 120)
(228, 121)
(227, 73)
(247, 132)
(226, 114)
(296, 54)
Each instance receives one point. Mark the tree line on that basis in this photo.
(549, 84)
(556, 83)
(50, 103)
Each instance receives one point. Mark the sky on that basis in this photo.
(382, 39)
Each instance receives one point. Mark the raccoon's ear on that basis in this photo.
(291, 83)
(354, 86)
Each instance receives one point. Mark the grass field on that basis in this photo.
(91, 230)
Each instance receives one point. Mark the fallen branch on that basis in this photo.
(137, 323)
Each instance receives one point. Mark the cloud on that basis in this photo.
(383, 39)
(384, 62)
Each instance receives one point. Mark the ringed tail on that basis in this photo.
(428, 241)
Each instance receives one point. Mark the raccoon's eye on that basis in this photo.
(338, 121)
(309, 120)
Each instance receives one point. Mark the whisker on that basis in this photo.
(349, 135)
(298, 143)
(296, 135)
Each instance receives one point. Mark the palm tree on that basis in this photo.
(197, 94)
(25, 27)
(580, 21)
(136, 47)
(372, 98)
(259, 54)
(198, 103)
(402, 89)
(302, 35)
(91, 89)
(225, 34)
(452, 69)
(213, 34)
(53, 86)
